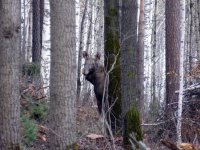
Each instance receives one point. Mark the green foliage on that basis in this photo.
(31, 69)
(39, 111)
(132, 125)
(30, 129)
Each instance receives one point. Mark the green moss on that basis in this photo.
(130, 74)
(112, 43)
(132, 125)
(130, 51)
(112, 49)
(107, 21)
(113, 12)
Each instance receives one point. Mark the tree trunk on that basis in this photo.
(86, 85)
(41, 21)
(173, 42)
(81, 40)
(181, 72)
(140, 57)
(153, 58)
(36, 43)
(24, 34)
(10, 36)
(30, 35)
(128, 65)
(63, 75)
(90, 20)
(112, 45)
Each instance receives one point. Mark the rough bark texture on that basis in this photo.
(172, 54)
(9, 75)
(128, 54)
(129, 65)
(63, 75)
(153, 104)
(112, 46)
(181, 72)
(30, 35)
(36, 40)
(24, 34)
(140, 57)
(41, 20)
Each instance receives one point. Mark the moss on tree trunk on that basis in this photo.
(132, 124)
(112, 48)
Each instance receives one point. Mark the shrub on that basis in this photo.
(30, 129)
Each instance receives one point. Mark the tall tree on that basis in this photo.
(63, 75)
(181, 71)
(129, 68)
(112, 45)
(36, 40)
(81, 42)
(24, 34)
(153, 58)
(9, 75)
(173, 41)
(140, 57)
(41, 20)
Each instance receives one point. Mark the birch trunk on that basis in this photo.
(181, 72)
(81, 40)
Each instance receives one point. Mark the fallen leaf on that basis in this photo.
(94, 136)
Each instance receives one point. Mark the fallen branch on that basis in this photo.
(135, 143)
(193, 89)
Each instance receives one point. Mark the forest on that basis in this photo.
(100, 75)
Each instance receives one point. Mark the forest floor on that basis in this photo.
(90, 134)
(34, 107)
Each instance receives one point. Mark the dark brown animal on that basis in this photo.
(94, 73)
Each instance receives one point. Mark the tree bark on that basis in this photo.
(181, 72)
(36, 40)
(10, 36)
(41, 21)
(23, 50)
(63, 75)
(173, 42)
(130, 55)
(30, 35)
(154, 103)
(112, 45)
(81, 40)
(140, 61)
